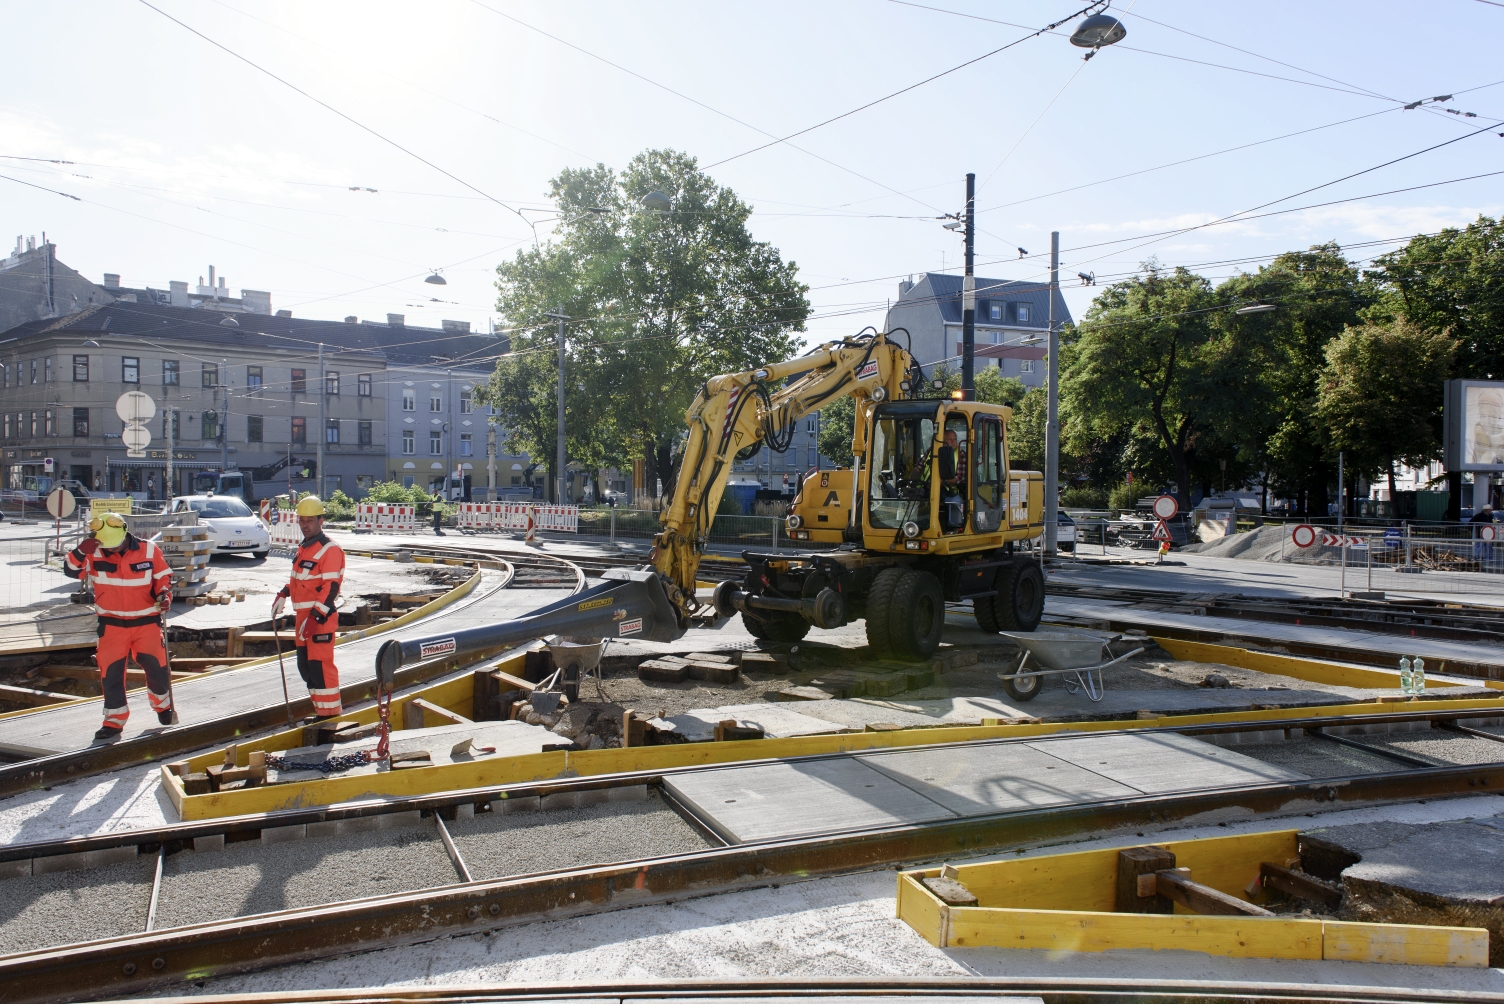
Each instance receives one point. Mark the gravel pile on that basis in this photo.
(1442, 749)
(83, 905)
(495, 845)
(251, 877)
(1262, 544)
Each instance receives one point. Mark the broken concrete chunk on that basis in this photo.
(949, 891)
(663, 671)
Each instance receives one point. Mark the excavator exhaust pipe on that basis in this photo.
(629, 604)
(826, 609)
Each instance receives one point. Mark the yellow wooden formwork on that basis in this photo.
(1333, 674)
(1064, 902)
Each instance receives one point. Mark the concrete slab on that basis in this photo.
(510, 738)
(1001, 778)
(784, 800)
(779, 721)
(1164, 762)
(1456, 860)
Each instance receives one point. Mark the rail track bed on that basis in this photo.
(256, 892)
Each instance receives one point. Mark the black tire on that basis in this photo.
(260, 555)
(1023, 688)
(879, 611)
(916, 616)
(985, 608)
(774, 625)
(1019, 603)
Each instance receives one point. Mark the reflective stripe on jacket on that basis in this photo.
(318, 570)
(127, 583)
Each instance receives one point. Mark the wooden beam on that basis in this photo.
(512, 682)
(1133, 864)
(1299, 884)
(421, 706)
(26, 695)
(1203, 899)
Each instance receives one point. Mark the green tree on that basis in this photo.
(1381, 395)
(666, 299)
(836, 425)
(1026, 431)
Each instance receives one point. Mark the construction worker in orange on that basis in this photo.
(318, 569)
(132, 593)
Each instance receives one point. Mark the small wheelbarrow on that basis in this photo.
(1062, 652)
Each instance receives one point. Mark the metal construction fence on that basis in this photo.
(1444, 557)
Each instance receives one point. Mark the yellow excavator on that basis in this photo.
(936, 515)
(821, 512)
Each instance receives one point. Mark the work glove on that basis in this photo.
(277, 605)
(320, 615)
(88, 545)
(165, 602)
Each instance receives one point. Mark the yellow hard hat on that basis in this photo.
(310, 506)
(109, 529)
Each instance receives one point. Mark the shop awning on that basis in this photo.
(177, 465)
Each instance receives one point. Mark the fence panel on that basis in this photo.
(1416, 557)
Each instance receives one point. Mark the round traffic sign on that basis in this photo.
(1488, 532)
(61, 503)
(134, 437)
(1304, 535)
(135, 406)
(1166, 506)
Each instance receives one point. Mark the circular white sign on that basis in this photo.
(1165, 507)
(135, 406)
(1487, 532)
(1304, 535)
(61, 503)
(134, 437)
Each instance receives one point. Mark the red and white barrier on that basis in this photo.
(515, 516)
(284, 529)
(385, 516)
(558, 518)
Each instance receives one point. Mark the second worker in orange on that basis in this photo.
(318, 570)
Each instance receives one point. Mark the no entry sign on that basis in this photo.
(1304, 535)
(1165, 507)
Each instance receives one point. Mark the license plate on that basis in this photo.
(240, 543)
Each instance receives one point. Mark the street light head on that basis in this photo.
(1032, 340)
(90, 343)
(1022, 253)
(1257, 308)
(436, 279)
(952, 225)
(228, 321)
(657, 202)
(1097, 31)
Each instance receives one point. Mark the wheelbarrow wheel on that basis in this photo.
(1023, 688)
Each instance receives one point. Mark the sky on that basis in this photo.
(407, 138)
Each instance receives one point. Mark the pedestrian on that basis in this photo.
(438, 514)
(1483, 550)
(132, 593)
(318, 570)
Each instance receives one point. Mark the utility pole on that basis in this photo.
(451, 426)
(224, 420)
(171, 487)
(562, 477)
(969, 297)
(1052, 413)
(318, 463)
(490, 459)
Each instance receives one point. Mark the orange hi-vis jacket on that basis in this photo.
(318, 569)
(127, 584)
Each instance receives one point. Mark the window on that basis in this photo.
(331, 382)
(331, 430)
(210, 375)
(300, 381)
(995, 311)
(1026, 366)
(253, 428)
(812, 426)
(7, 426)
(81, 415)
(407, 481)
(209, 425)
(365, 482)
(466, 405)
(253, 379)
(130, 370)
(47, 370)
(363, 433)
(170, 373)
(435, 401)
(80, 370)
(33, 371)
(435, 444)
(362, 389)
(299, 429)
(409, 440)
(4, 376)
(35, 428)
(51, 424)
(1023, 312)
(467, 444)
(409, 399)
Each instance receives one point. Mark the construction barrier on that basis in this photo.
(284, 529)
(514, 516)
(385, 516)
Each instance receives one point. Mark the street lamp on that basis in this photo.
(1257, 308)
(657, 202)
(1097, 31)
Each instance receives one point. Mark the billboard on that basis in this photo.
(1474, 425)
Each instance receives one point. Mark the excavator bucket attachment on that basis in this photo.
(629, 604)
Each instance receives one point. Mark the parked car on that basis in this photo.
(232, 526)
(1065, 534)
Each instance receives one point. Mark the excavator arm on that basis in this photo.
(732, 413)
(740, 411)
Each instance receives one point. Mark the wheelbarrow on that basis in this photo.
(1077, 656)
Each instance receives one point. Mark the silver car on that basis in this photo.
(232, 526)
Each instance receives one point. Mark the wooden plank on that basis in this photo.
(1134, 863)
(1332, 674)
(512, 682)
(27, 695)
(1299, 884)
(1072, 931)
(431, 708)
(920, 908)
(1405, 943)
(1203, 899)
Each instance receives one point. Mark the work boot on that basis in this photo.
(107, 735)
(166, 717)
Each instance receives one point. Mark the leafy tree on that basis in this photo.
(836, 425)
(1381, 395)
(1026, 431)
(666, 299)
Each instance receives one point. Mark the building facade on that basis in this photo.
(1012, 323)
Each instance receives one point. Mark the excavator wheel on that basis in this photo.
(911, 611)
(774, 625)
(1019, 602)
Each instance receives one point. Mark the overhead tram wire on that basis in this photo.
(328, 107)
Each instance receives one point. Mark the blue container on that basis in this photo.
(744, 494)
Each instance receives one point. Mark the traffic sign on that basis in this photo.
(1161, 532)
(1342, 540)
(1488, 531)
(61, 503)
(1304, 535)
(135, 406)
(48, 465)
(1166, 506)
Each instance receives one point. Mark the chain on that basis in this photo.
(329, 765)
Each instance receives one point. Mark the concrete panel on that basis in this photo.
(1002, 778)
(783, 800)
(1164, 762)
(779, 721)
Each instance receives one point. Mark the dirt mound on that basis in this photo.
(1262, 544)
